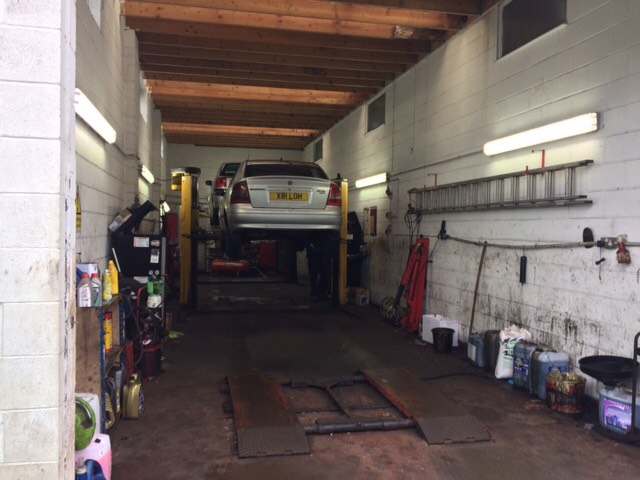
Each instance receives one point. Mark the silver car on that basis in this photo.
(267, 197)
(219, 187)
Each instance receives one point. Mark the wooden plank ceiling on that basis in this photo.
(279, 73)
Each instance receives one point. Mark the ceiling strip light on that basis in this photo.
(554, 131)
(373, 180)
(146, 174)
(90, 114)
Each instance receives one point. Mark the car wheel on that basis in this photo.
(215, 219)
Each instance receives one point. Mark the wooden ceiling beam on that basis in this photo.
(243, 142)
(161, 101)
(212, 91)
(200, 129)
(253, 120)
(454, 7)
(244, 19)
(261, 58)
(281, 82)
(278, 49)
(311, 13)
(204, 114)
(311, 72)
(420, 46)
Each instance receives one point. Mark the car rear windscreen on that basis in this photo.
(230, 169)
(284, 170)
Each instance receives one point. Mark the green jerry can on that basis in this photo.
(133, 397)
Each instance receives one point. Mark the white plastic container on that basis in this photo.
(100, 451)
(430, 321)
(614, 409)
(94, 402)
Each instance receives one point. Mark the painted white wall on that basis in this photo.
(49, 155)
(108, 181)
(37, 191)
(440, 113)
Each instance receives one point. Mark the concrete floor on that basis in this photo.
(185, 432)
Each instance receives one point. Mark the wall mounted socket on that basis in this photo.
(609, 242)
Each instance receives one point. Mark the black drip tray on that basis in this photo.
(609, 369)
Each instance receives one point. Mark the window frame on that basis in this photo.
(318, 150)
(370, 127)
(501, 29)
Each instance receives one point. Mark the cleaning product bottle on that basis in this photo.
(84, 291)
(151, 280)
(106, 286)
(113, 271)
(96, 290)
(108, 332)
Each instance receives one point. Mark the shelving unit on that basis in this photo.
(93, 363)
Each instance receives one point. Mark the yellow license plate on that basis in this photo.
(288, 197)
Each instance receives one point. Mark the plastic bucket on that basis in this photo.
(442, 339)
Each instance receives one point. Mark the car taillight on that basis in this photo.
(335, 195)
(240, 193)
(221, 182)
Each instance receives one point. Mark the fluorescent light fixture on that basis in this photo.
(146, 174)
(373, 180)
(90, 114)
(554, 131)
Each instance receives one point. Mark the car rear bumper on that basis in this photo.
(242, 217)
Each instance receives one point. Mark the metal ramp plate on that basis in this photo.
(439, 420)
(442, 430)
(265, 422)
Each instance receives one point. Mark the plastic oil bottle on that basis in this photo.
(113, 271)
(106, 286)
(96, 290)
(84, 291)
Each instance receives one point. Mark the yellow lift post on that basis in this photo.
(186, 181)
(342, 278)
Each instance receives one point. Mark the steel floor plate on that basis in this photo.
(439, 420)
(265, 422)
(445, 430)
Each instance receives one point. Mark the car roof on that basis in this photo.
(288, 162)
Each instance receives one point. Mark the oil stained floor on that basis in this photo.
(186, 434)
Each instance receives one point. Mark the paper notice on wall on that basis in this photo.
(365, 221)
(141, 242)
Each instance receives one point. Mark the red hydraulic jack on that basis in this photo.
(415, 277)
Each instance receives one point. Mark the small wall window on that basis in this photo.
(144, 99)
(522, 21)
(317, 150)
(375, 113)
(95, 7)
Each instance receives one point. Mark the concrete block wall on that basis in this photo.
(108, 180)
(439, 115)
(37, 334)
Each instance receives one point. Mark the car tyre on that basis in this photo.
(215, 218)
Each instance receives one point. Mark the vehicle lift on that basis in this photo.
(185, 180)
